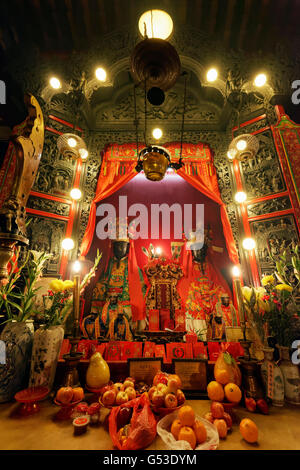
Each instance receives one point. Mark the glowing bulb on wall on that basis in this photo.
(241, 144)
(55, 83)
(83, 153)
(231, 154)
(260, 80)
(236, 272)
(68, 244)
(249, 244)
(156, 24)
(75, 194)
(72, 142)
(158, 251)
(157, 133)
(100, 74)
(212, 75)
(240, 197)
(77, 267)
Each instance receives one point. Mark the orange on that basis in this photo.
(215, 391)
(233, 393)
(200, 431)
(175, 428)
(222, 376)
(78, 393)
(187, 434)
(186, 415)
(249, 430)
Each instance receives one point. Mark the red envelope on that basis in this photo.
(179, 320)
(137, 349)
(84, 348)
(176, 351)
(214, 349)
(189, 351)
(113, 351)
(191, 338)
(98, 348)
(149, 349)
(234, 348)
(160, 351)
(164, 318)
(154, 320)
(126, 352)
(199, 351)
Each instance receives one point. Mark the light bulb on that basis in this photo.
(240, 197)
(241, 144)
(236, 272)
(231, 154)
(212, 75)
(158, 251)
(72, 142)
(75, 194)
(68, 244)
(156, 24)
(157, 133)
(100, 74)
(76, 266)
(260, 80)
(55, 83)
(249, 244)
(83, 153)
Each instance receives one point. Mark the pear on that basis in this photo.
(98, 373)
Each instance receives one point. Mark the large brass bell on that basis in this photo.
(155, 162)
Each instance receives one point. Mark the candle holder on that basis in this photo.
(71, 378)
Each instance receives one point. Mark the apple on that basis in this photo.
(217, 410)
(130, 392)
(151, 391)
(128, 383)
(109, 397)
(172, 386)
(124, 416)
(162, 388)
(221, 427)
(209, 417)
(180, 397)
(228, 420)
(171, 400)
(118, 386)
(105, 388)
(176, 377)
(250, 404)
(158, 399)
(121, 398)
(65, 395)
(160, 378)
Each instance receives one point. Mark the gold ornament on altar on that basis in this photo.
(155, 162)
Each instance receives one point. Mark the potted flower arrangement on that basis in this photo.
(57, 307)
(17, 295)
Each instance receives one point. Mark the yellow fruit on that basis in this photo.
(200, 431)
(186, 433)
(215, 391)
(226, 362)
(186, 415)
(222, 376)
(249, 430)
(175, 428)
(233, 393)
(98, 373)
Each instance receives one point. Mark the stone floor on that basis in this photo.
(280, 430)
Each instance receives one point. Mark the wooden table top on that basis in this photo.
(280, 430)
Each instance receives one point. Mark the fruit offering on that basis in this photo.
(226, 370)
(98, 373)
(166, 392)
(187, 428)
(230, 393)
(259, 405)
(67, 395)
(248, 430)
(219, 418)
(116, 394)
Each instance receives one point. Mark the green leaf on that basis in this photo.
(227, 358)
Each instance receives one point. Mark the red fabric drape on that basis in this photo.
(209, 187)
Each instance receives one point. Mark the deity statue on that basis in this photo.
(122, 275)
(117, 321)
(226, 311)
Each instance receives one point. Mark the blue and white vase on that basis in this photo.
(45, 352)
(17, 337)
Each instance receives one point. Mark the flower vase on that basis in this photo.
(291, 376)
(272, 378)
(17, 337)
(45, 353)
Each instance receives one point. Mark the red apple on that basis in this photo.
(171, 400)
(161, 377)
(176, 377)
(123, 416)
(172, 386)
(128, 383)
(130, 392)
(151, 391)
(109, 397)
(105, 388)
(121, 398)
(250, 404)
(217, 410)
(118, 386)
(162, 388)
(180, 397)
(228, 420)
(158, 399)
(221, 427)
(65, 395)
(262, 406)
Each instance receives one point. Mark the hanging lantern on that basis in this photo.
(155, 162)
(244, 147)
(72, 146)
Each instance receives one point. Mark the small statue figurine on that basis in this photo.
(226, 310)
(215, 327)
